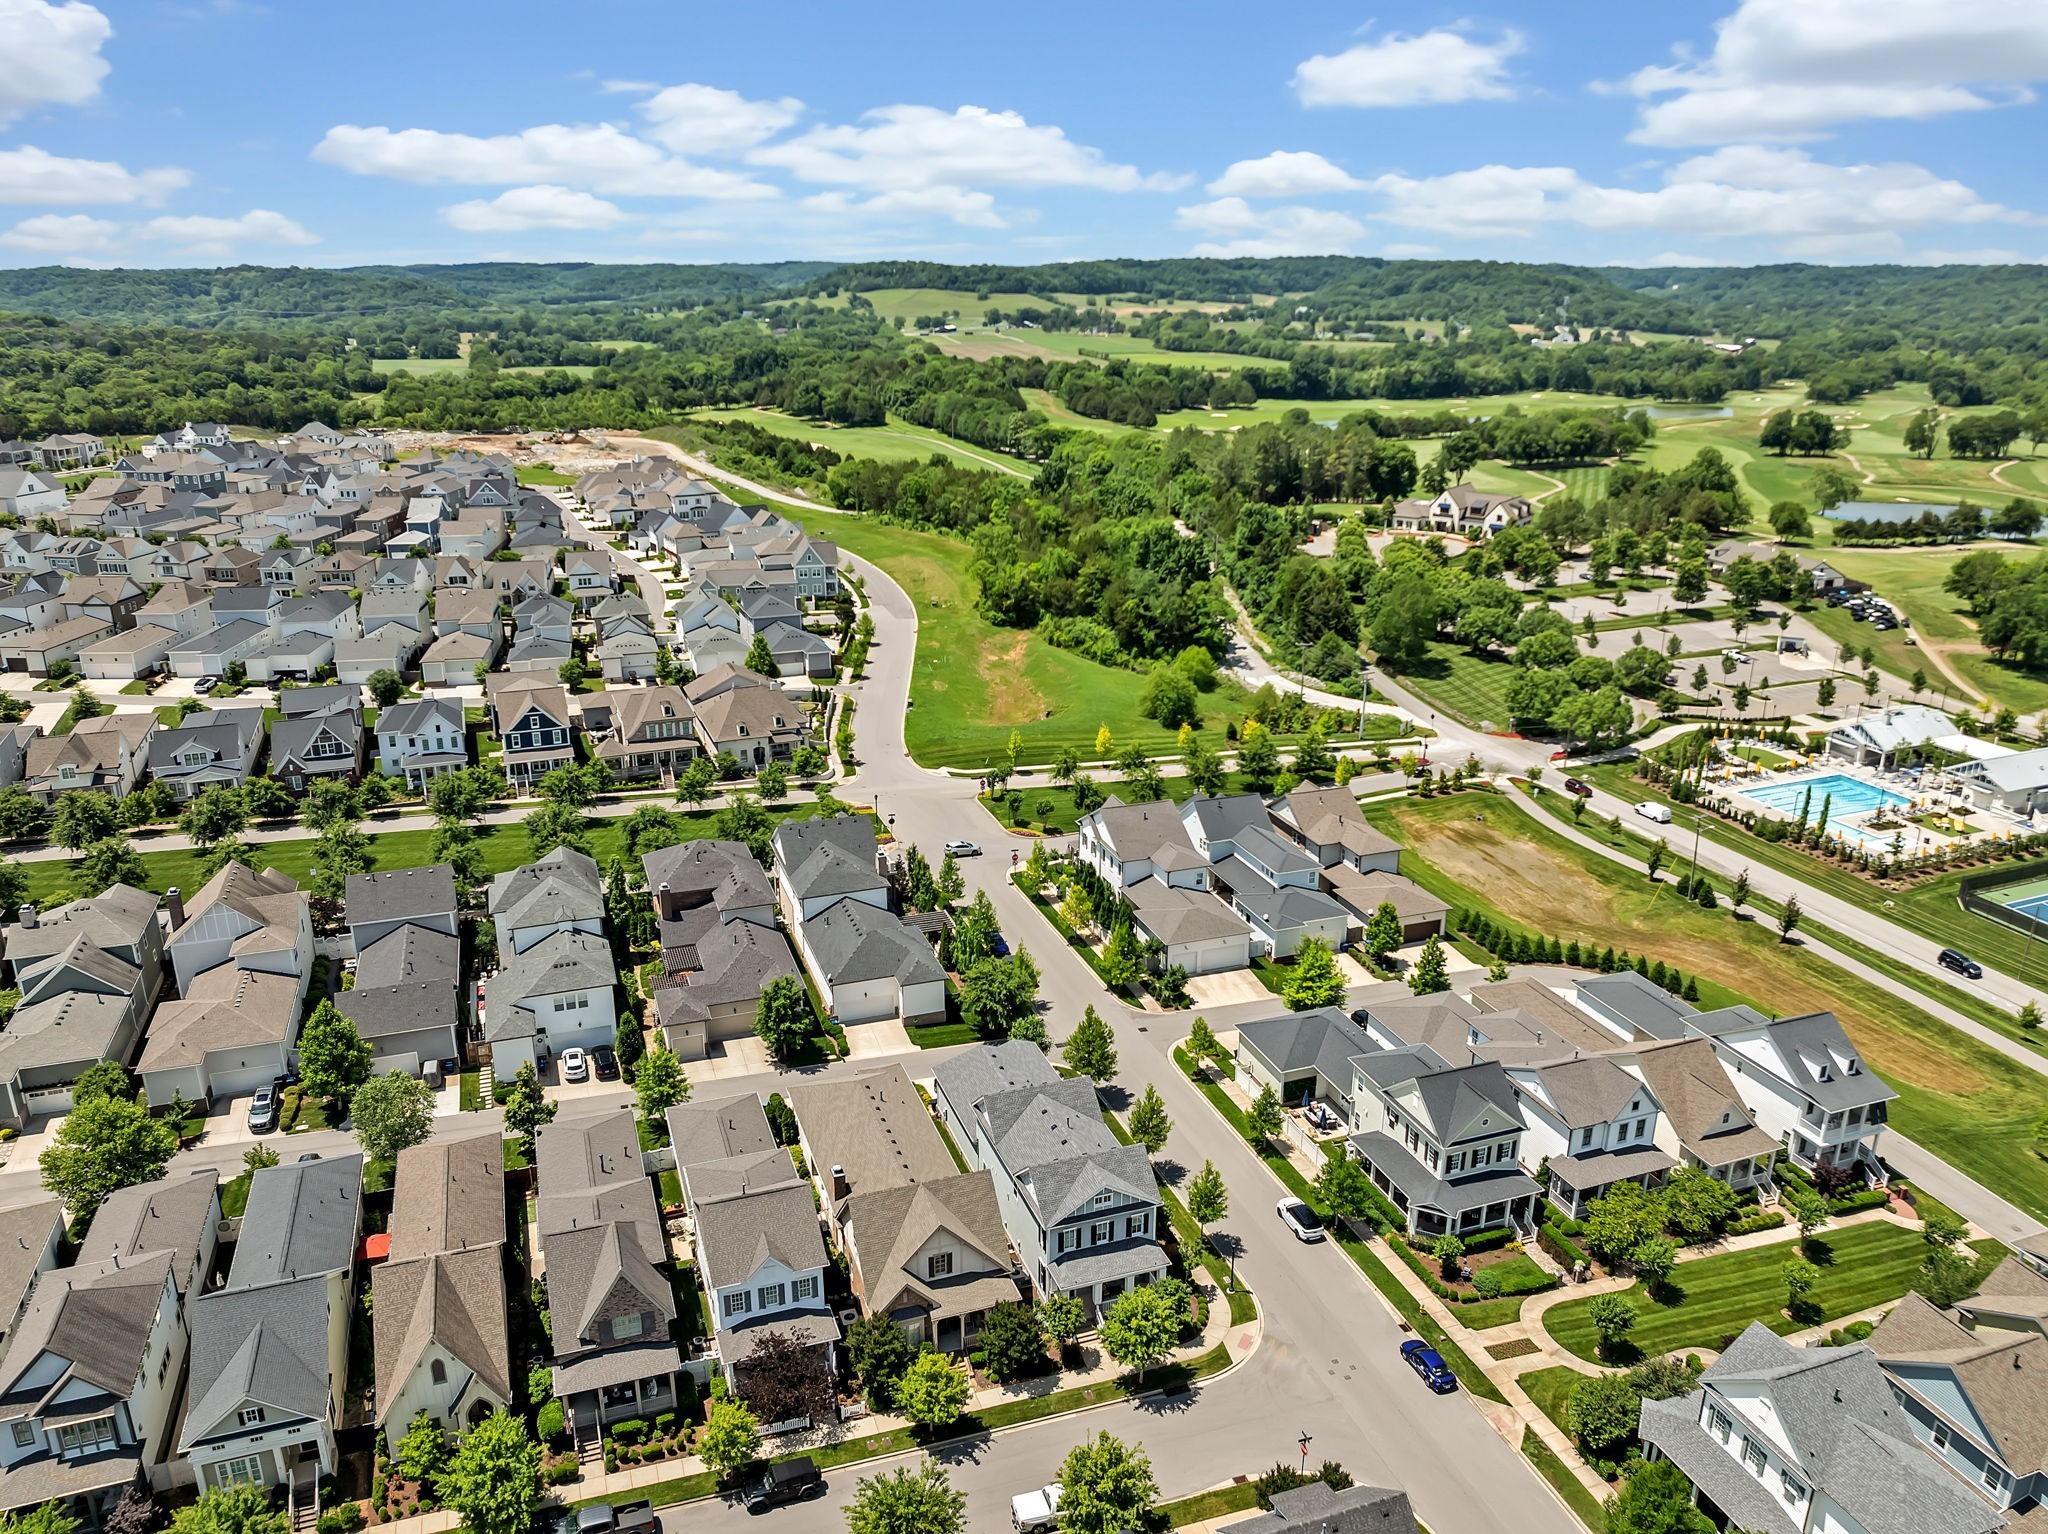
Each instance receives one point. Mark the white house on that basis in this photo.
(421, 740)
(1805, 1084)
(556, 995)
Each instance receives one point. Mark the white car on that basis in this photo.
(964, 849)
(1306, 1224)
(575, 1065)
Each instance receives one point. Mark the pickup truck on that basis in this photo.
(617, 1518)
(1036, 1512)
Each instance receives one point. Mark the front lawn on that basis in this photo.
(1710, 1301)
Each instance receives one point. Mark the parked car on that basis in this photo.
(575, 1065)
(1429, 1364)
(206, 684)
(263, 1111)
(1306, 1224)
(1961, 963)
(1575, 786)
(964, 849)
(605, 1061)
(610, 1518)
(1649, 810)
(786, 1480)
(1036, 1512)
(998, 945)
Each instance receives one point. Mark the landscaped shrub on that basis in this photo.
(632, 1430)
(344, 1518)
(1769, 1219)
(1561, 1247)
(551, 1424)
(1856, 1203)
(560, 1473)
(1488, 1240)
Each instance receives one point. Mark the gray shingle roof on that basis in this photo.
(266, 1344)
(718, 1128)
(1806, 1046)
(1316, 1509)
(302, 1221)
(736, 1236)
(598, 1224)
(1653, 1011)
(563, 886)
(96, 1315)
(400, 894)
(1324, 1040)
(419, 714)
(853, 941)
(559, 962)
(977, 1073)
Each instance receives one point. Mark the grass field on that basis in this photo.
(1462, 684)
(1958, 1098)
(1708, 1302)
(897, 441)
(502, 847)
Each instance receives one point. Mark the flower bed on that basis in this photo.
(1514, 1272)
(637, 1442)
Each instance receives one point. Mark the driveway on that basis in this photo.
(740, 1057)
(886, 1036)
(1227, 988)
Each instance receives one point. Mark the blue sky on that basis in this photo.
(198, 132)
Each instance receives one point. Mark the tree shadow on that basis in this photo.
(1818, 1252)
(1668, 1294)
(1114, 1097)
(1226, 1245)
(1170, 1172)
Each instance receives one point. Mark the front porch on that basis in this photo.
(1576, 1181)
(1503, 1196)
(1096, 1276)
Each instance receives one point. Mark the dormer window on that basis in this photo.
(249, 1416)
(940, 1265)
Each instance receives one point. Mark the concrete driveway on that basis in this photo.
(1228, 987)
(885, 1036)
(740, 1057)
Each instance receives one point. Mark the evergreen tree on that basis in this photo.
(1091, 1048)
(1431, 974)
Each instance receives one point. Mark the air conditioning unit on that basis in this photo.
(848, 1316)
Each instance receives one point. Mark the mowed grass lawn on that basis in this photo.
(1963, 1101)
(1468, 686)
(1711, 1300)
(897, 441)
(503, 847)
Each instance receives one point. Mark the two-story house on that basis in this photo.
(214, 749)
(534, 721)
(1790, 1440)
(865, 960)
(1704, 1123)
(556, 995)
(1082, 1210)
(241, 954)
(642, 732)
(721, 943)
(562, 892)
(319, 734)
(422, 739)
(755, 1228)
(270, 1348)
(1274, 885)
(1805, 1084)
(746, 716)
(442, 1337)
(90, 1379)
(1593, 1124)
(1442, 1142)
(1361, 865)
(108, 754)
(601, 1242)
(379, 904)
(1146, 855)
(925, 1243)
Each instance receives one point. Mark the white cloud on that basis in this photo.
(1400, 249)
(1403, 70)
(534, 207)
(38, 178)
(704, 120)
(914, 157)
(195, 235)
(1235, 228)
(1783, 71)
(599, 157)
(1680, 258)
(61, 234)
(962, 205)
(1781, 196)
(52, 54)
(1284, 173)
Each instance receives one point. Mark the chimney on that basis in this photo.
(174, 905)
(840, 1186)
(28, 917)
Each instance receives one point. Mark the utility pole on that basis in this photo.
(1305, 1440)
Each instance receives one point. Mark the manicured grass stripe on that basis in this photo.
(1205, 1505)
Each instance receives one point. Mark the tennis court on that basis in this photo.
(2029, 899)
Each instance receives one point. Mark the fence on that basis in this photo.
(1967, 892)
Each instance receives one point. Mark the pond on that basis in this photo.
(1687, 412)
(1888, 511)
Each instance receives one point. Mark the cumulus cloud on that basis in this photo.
(1235, 228)
(600, 157)
(1783, 71)
(961, 205)
(705, 120)
(1284, 173)
(1404, 70)
(534, 207)
(52, 54)
(61, 234)
(901, 154)
(40, 179)
(1785, 197)
(196, 235)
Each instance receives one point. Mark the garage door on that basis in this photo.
(241, 1079)
(1208, 958)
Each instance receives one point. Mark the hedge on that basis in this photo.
(1427, 1269)
(1768, 1220)
(1856, 1203)
(1561, 1247)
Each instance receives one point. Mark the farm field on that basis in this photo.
(1961, 1100)
(896, 441)
(455, 364)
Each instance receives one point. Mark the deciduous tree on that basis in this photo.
(1091, 1048)
(911, 1499)
(1106, 1487)
(391, 1113)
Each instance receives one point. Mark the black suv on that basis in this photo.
(786, 1480)
(1961, 963)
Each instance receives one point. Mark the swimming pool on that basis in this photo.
(1851, 796)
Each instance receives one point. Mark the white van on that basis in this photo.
(1661, 813)
(1036, 1512)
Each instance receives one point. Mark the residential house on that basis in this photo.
(1808, 1440)
(442, 1336)
(1305, 1057)
(38, 1232)
(381, 903)
(601, 1240)
(720, 943)
(36, 651)
(108, 754)
(925, 1243)
(319, 734)
(866, 961)
(556, 995)
(1704, 1122)
(70, 450)
(641, 732)
(754, 1226)
(400, 606)
(406, 1003)
(1442, 1141)
(30, 493)
(1461, 511)
(421, 740)
(114, 599)
(468, 610)
(144, 650)
(452, 660)
(1271, 883)
(626, 648)
(88, 973)
(91, 1375)
(533, 719)
(562, 892)
(216, 748)
(270, 1348)
(797, 651)
(1317, 1509)
(1081, 1208)
(1804, 1083)
(224, 646)
(590, 575)
(241, 954)
(747, 716)
(392, 648)
(1145, 853)
(1593, 1124)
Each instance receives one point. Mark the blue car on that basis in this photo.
(997, 947)
(1427, 1362)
